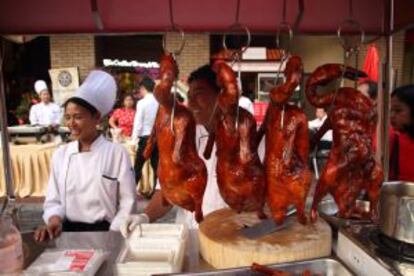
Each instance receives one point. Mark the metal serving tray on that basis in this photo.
(323, 266)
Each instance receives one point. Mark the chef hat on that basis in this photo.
(99, 90)
(40, 86)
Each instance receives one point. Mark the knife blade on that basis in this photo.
(266, 227)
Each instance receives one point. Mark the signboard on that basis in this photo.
(254, 53)
(64, 83)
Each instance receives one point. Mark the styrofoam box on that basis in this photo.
(159, 249)
(160, 230)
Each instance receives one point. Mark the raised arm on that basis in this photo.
(209, 145)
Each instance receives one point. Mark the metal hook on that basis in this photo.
(239, 52)
(177, 52)
(284, 26)
(351, 23)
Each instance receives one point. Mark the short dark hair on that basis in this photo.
(81, 102)
(406, 95)
(148, 83)
(204, 73)
(372, 88)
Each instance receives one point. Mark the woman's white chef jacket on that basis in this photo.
(91, 186)
(45, 114)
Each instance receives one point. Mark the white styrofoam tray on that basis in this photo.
(160, 248)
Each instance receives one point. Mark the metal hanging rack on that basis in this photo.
(9, 204)
(175, 53)
(237, 55)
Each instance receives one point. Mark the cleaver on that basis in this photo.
(266, 227)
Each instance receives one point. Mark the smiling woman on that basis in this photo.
(91, 184)
(402, 134)
(81, 118)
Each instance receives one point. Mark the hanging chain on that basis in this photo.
(350, 9)
(171, 13)
(237, 12)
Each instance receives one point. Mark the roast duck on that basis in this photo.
(287, 148)
(181, 172)
(240, 174)
(351, 167)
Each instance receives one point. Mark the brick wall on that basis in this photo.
(71, 51)
(195, 54)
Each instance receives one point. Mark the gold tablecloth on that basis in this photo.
(30, 166)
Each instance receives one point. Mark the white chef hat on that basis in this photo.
(99, 90)
(40, 86)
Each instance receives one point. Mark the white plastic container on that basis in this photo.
(11, 250)
(159, 248)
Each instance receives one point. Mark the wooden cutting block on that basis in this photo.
(222, 246)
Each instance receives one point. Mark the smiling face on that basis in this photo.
(81, 122)
(201, 100)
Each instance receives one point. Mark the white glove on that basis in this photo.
(132, 222)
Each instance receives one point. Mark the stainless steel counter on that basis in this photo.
(113, 241)
(109, 241)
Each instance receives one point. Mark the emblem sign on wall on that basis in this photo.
(64, 83)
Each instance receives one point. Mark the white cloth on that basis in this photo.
(98, 89)
(45, 114)
(40, 86)
(212, 199)
(247, 104)
(91, 186)
(316, 124)
(145, 114)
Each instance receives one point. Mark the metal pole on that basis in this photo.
(387, 93)
(9, 202)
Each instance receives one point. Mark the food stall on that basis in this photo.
(317, 17)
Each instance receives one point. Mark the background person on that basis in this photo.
(45, 113)
(123, 118)
(91, 184)
(145, 114)
(402, 134)
(315, 125)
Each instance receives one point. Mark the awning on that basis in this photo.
(137, 16)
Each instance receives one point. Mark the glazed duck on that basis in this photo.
(287, 148)
(351, 166)
(181, 172)
(240, 174)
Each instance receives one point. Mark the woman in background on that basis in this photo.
(402, 134)
(123, 117)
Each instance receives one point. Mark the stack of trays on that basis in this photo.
(153, 249)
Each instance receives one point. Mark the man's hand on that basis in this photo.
(132, 222)
(51, 231)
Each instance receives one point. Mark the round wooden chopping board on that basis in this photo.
(222, 246)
